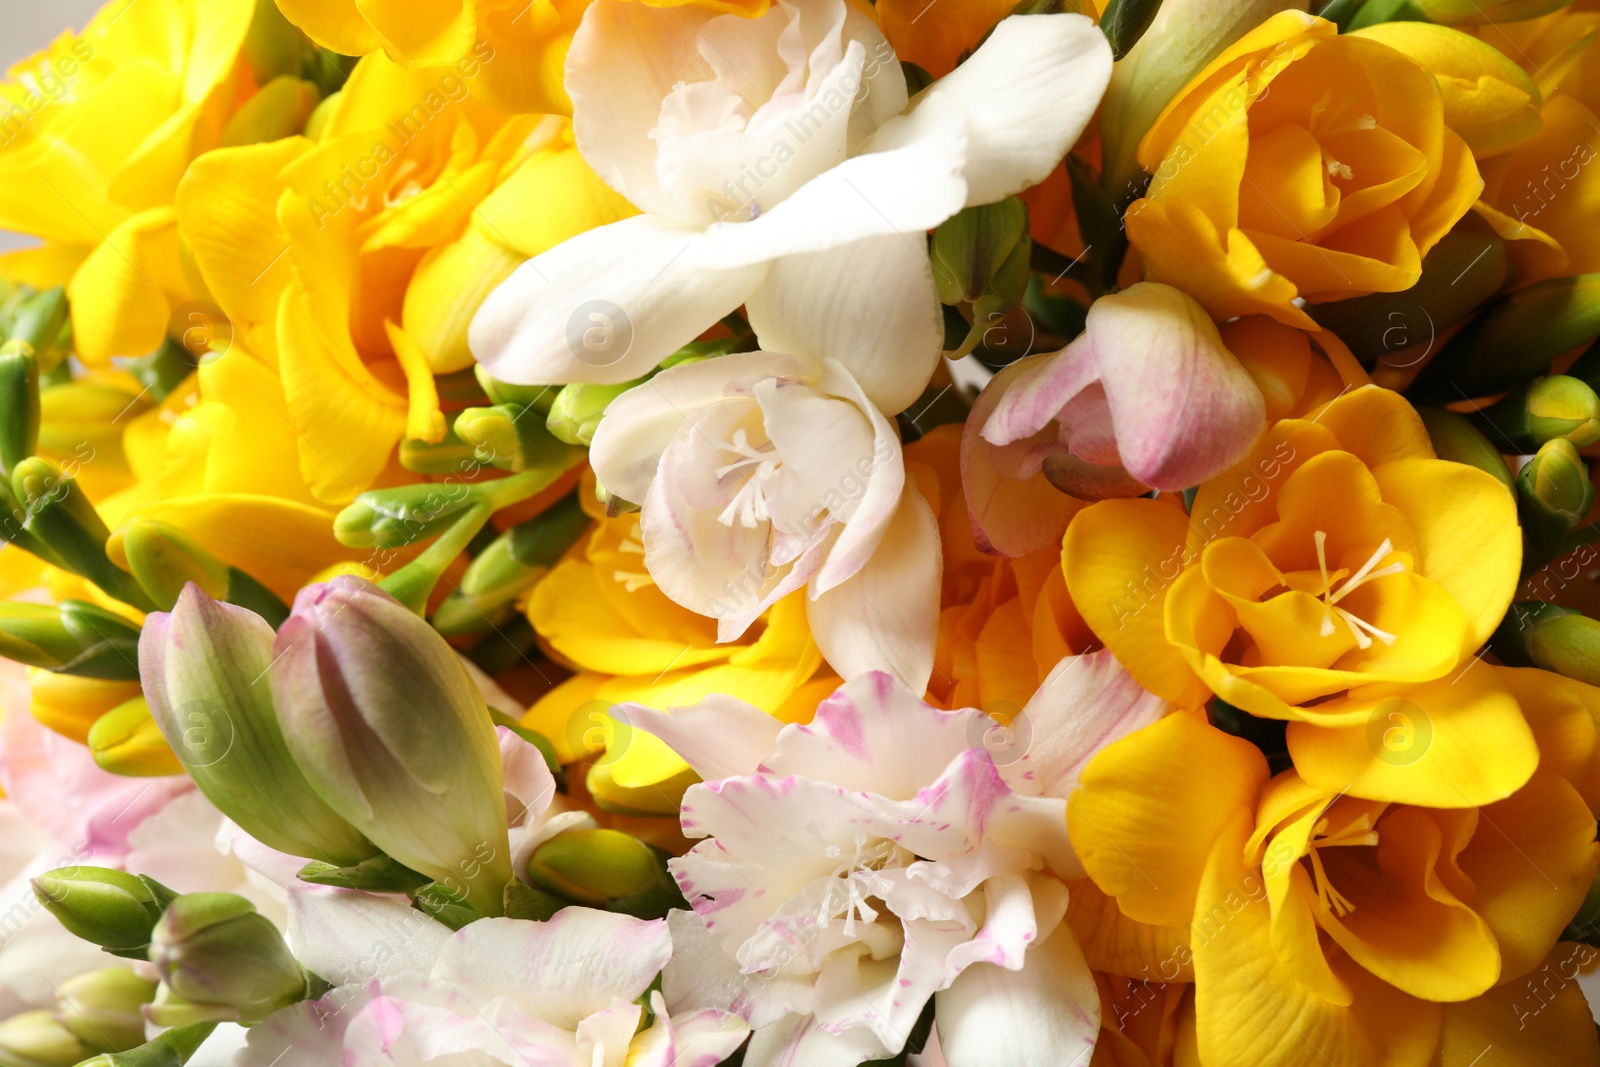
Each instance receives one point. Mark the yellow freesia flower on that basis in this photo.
(95, 133)
(1543, 196)
(599, 612)
(522, 44)
(1339, 577)
(1004, 622)
(1299, 163)
(1322, 928)
(312, 248)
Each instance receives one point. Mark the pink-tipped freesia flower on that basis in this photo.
(1147, 397)
(885, 854)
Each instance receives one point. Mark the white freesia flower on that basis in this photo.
(777, 162)
(884, 855)
(760, 474)
(563, 993)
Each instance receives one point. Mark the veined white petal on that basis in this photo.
(347, 936)
(871, 305)
(605, 306)
(720, 737)
(1048, 1012)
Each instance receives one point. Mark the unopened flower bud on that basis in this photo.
(575, 415)
(391, 518)
(205, 675)
(1544, 409)
(981, 257)
(112, 909)
(36, 1039)
(73, 637)
(170, 1048)
(1554, 495)
(38, 325)
(19, 405)
(513, 437)
(59, 515)
(1518, 336)
(394, 735)
(165, 559)
(603, 868)
(511, 565)
(104, 1008)
(216, 949)
(1453, 12)
(1456, 439)
(126, 740)
(498, 392)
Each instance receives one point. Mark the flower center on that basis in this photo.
(1360, 629)
(632, 581)
(850, 888)
(749, 504)
(1357, 832)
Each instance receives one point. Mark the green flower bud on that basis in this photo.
(36, 1039)
(539, 397)
(1568, 644)
(216, 949)
(449, 455)
(394, 735)
(58, 514)
(1452, 12)
(512, 564)
(1554, 495)
(1518, 336)
(513, 437)
(606, 869)
(280, 109)
(1459, 274)
(165, 559)
(80, 415)
(575, 415)
(391, 518)
(38, 324)
(73, 637)
(112, 909)
(19, 405)
(982, 256)
(126, 740)
(204, 668)
(170, 1048)
(104, 1008)
(1544, 409)
(1456, 439)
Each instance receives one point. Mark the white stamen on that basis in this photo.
(749, 503)
(1359, 628)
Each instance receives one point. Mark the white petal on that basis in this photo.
(344, 935)
(701, 1039)
(1027, 95)
(605, 306)
(1048, 1012)
(799, 1041)
(720, 737)
(701, 975)
(906, 190)
(887, 616)
(219, 1050)
(567, 969)
(871, 305)
(529, 787)
(624, 60)
(1084, 704)
(309, 1034)
(640, 424)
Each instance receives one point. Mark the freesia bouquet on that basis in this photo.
(801, 533)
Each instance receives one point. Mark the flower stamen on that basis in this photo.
(1360, 629)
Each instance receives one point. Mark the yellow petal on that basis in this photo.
(1115, 944)
(1120, 558)
(70, 705)
(120, 306)
(1252, 1009)
(336, 25)
(1148, 847)
(429, 33)
(1565, 717)
(1460, 741)
(424, 420)
(1531, 861)
(1543, 1019)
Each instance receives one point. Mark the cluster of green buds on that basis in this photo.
(98, 1013)
(215, 957)
(981, 265)
(1559, 639)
